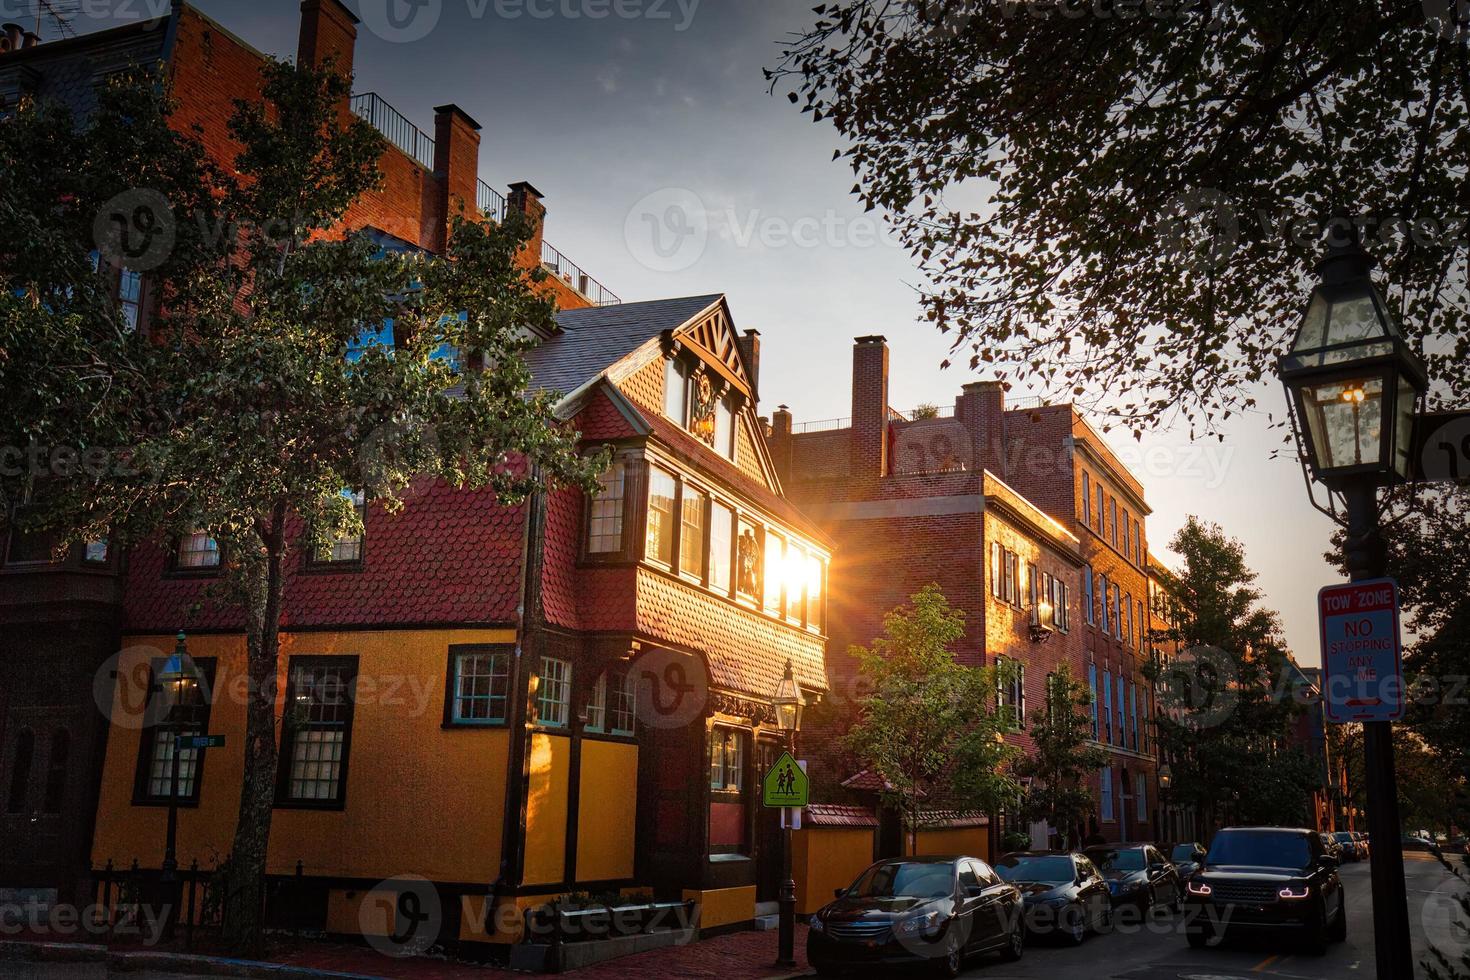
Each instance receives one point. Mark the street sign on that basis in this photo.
(786, 784)
(200, 741)
(1362, 666)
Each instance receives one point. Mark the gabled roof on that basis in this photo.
(594, 338)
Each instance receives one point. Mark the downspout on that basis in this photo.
(528, 645)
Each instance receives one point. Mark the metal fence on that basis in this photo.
(573, 275)
(395, 126)
(490, 201)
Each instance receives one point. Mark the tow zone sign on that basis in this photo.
(1362, 663)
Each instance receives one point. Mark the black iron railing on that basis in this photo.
(573, 275)
(395, 126)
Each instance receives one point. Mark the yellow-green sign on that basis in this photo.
(786, 784)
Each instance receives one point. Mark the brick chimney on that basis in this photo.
(328, 30)
(781, 442)
(869, 407)
(982, 407)
(527, 200)
(750, 353)
(456, 164)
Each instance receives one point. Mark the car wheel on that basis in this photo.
(1076, 927)
(1015, 944)
(952, 963)
(1314, 936)
(1337, 930)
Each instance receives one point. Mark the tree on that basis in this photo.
(1064, 759)
(929, 727)
(1128, 198)
(1222, 723)
(266, 387)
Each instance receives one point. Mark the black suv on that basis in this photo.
(1267, 878)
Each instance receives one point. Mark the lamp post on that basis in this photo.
(179, 686)
(788, 702)
(1354, 386)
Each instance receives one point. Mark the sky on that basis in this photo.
(669, 170)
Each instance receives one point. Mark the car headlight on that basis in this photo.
(918, 924)
(1199, 888)
(816, 924)
(1295, 894)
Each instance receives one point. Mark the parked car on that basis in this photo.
(1413, 842)
(1331, 845)
(1137, 874)
(1187, 857)
(1065, 895)
(912, 910)
(1271, 879)
(1457, 844)
(1362, 839)
(1352, 848)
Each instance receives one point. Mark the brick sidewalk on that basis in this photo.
(737, 956)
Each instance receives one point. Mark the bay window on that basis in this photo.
(554, 693)
(775, 580)
(610, 709)
(721, 527)
(691, 532)
(605, 513)
(661, 492)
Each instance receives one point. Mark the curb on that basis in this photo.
(121, 962)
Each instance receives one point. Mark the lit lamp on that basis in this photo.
(1354, 387)
(789, 703)
(178, 685)
(1353, 381)
(1166, 777)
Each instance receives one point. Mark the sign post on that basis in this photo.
(1362, 662)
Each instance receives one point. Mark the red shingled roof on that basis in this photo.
(839, 815)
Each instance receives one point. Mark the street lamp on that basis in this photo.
(1166, 777)
(178, 685)
(789, 703)
(1354, 387)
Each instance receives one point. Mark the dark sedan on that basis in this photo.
(907, 911)
(1352, 849)
(1268, 879)
(1065, 896)
(1138, 875)
(1187, 857)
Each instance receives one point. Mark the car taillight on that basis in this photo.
(1199, 888)
(1294, 893)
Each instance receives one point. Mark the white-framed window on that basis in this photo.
(1133, 711)
(726, 759)
(1113, 516)
(1122, 713)
(725, 428)
(721, 528)
(1086, 499)
(676, 391)
(622, 707)
(1087, 608)
(554, 694)
(130, 297)
(691, 533)
(319, 721)
(775, 577)
(1092, 686)
(1099, 516)
(1140, 797)
(481, 686)
(1107, 702)
(661, 494)
(1106, 785)
(605, 514)
(95, 551)
(816, 582)
(346, 548)
(1102, 600)
(597, 704)
(1010, 694)
(197, 549)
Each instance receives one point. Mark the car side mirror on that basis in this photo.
(1329, 862)
(974, 891)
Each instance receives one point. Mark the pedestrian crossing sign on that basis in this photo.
(786, 784)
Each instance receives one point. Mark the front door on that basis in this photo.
(769, 841)
(36, 762)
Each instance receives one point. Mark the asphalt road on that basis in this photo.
(1160, 952)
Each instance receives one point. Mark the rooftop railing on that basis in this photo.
(490, 201)
(395, 126)
(403, 134)
(571, 274)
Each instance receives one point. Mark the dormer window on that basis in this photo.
(676, 390)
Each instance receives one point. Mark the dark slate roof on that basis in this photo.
(596, 337)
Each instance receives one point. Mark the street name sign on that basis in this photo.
(1362, 663)
(786, 784)
(201, 741)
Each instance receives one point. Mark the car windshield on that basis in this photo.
(1053, 869)
(1182, 852)
(905, 879)
(1108, 859)
(1261, 849)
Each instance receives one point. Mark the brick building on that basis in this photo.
(511, 702)
(1028, 523)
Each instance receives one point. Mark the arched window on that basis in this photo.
(56, 770)
(20, 771)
